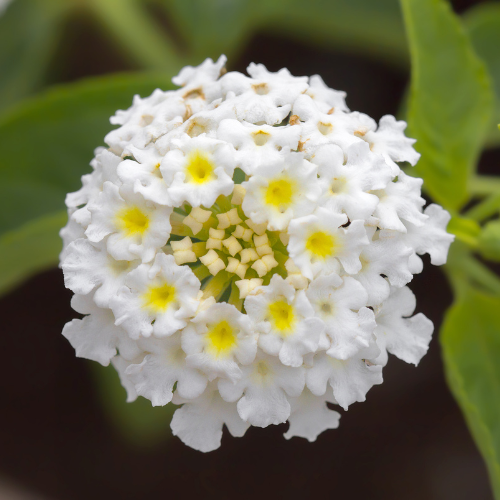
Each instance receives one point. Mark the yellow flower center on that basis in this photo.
(260, 137)
(159, 298)
(199, 168)
(221, 338)
(280, 193)
(282, 316)
(321, 244)
(132, 221)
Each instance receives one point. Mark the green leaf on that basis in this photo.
(470, 338)
(489, 241)
(47, 142)
(450, 99)
(483, 25)
(29, 249)
(139, 423)
(137, 33)
(28, 34)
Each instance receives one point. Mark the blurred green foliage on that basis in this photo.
(47, 139)
(449, 122)
(470, 338)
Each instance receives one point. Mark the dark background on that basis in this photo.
(407, 441)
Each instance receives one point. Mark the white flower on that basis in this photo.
(263, 389)
(383, 257)
(95, 336)
(285, 320)
(143, 172)
(311, 416)
(198, 170)
(89, 267)
(328, 127)
(404, 336)
(350, 379)
(400, 201)
(347, 184)
(389, 141)
(215, 337)
(258, 144)
(163, 367)
(266, 97)
(340, 304)
(242, 249)
(135, 228)
(319, 243)
(158, 298)
(430, 238)
(280, 191)
(146, 120)
(199, 422)
(324, 97)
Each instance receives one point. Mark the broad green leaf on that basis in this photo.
(137, 33)
(470, 338)
(47, 142)
(450, 99)
(138, 422)
(29, 30)
(489, 241)
(483, 25)
(29, 249)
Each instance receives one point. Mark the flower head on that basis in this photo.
(243, 249)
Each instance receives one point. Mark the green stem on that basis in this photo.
(485, 209)
(463, 265)
(137, 33)
(484, 185)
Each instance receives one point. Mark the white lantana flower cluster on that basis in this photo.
(242, 249)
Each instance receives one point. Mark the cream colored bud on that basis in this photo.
(213, 262)
(233, 245)
(269, 261)
(227, 219)
(295, 277)
(291, 267)
(285, 238)
(246, 287)
(193, 224)
(257, 228)
(262, 245)
(238, 194)
(243, 233)
(184, 256)
(184, 244)
(196, 219)
(215, 240)
(248, 255)
(298, 281)
(200, 215)
(234, 218)
(236, 267)
(260, 267)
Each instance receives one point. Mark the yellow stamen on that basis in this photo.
(221, 339)
(159, 298)
(132, 221)
(280, 193)
(282, 317)
(199, 168)
(321, 244)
